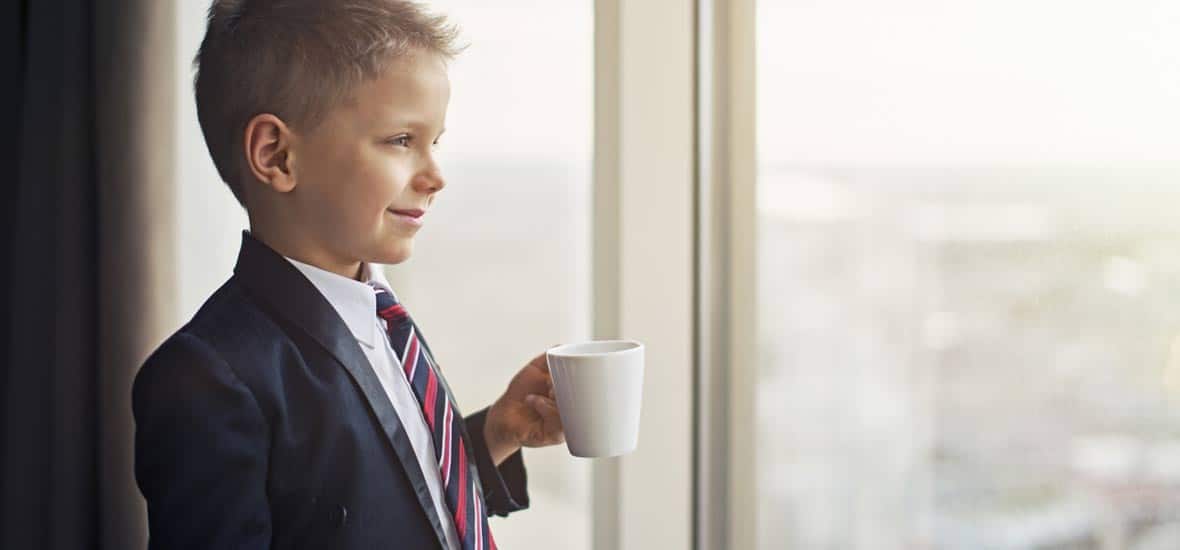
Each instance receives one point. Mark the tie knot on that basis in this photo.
(387, 306)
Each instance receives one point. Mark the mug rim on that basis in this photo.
(628, 346)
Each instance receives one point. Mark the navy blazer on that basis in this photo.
(261, 424)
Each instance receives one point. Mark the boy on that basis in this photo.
(301, 406)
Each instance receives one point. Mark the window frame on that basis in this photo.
(644, 253)
(725, 510)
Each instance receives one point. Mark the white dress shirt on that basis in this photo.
(356, 303)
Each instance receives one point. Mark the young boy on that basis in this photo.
(301, 407)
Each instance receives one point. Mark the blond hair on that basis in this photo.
(297, 59)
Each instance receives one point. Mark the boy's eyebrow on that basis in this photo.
(416, 125)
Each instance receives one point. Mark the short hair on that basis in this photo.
(297, 59)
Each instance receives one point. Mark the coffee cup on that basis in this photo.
(599, 388)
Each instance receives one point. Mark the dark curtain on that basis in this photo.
(50, 379)
(88, 284)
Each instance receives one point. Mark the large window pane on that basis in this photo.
(969, 260)
(500, 271)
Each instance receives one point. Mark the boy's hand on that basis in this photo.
(526, 415)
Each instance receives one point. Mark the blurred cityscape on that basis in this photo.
(969, 357)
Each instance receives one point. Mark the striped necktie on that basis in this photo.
(464, 501)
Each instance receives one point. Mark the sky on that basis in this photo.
(968, 81)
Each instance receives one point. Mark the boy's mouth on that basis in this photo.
(411, 216)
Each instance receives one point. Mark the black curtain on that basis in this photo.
(49, 480)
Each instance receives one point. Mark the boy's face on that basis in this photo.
(366, 176)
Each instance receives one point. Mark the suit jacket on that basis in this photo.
(260, 424)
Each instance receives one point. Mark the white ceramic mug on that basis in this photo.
(599, 387)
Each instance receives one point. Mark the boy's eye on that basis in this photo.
(401, 141)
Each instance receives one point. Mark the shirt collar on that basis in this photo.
(354, 301)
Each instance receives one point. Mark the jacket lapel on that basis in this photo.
(286, 291)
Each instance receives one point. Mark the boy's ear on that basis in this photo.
(268, 152)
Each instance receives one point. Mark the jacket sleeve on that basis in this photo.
(201, 448)
(505, 489)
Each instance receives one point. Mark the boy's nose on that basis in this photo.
(429, 181)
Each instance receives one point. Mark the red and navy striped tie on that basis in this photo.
(464, 501)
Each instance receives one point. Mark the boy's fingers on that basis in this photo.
(540, 362)
(551, 432)
(545, 406)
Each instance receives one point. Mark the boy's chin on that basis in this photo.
(394, 252)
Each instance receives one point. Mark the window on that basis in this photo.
(968, 267)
